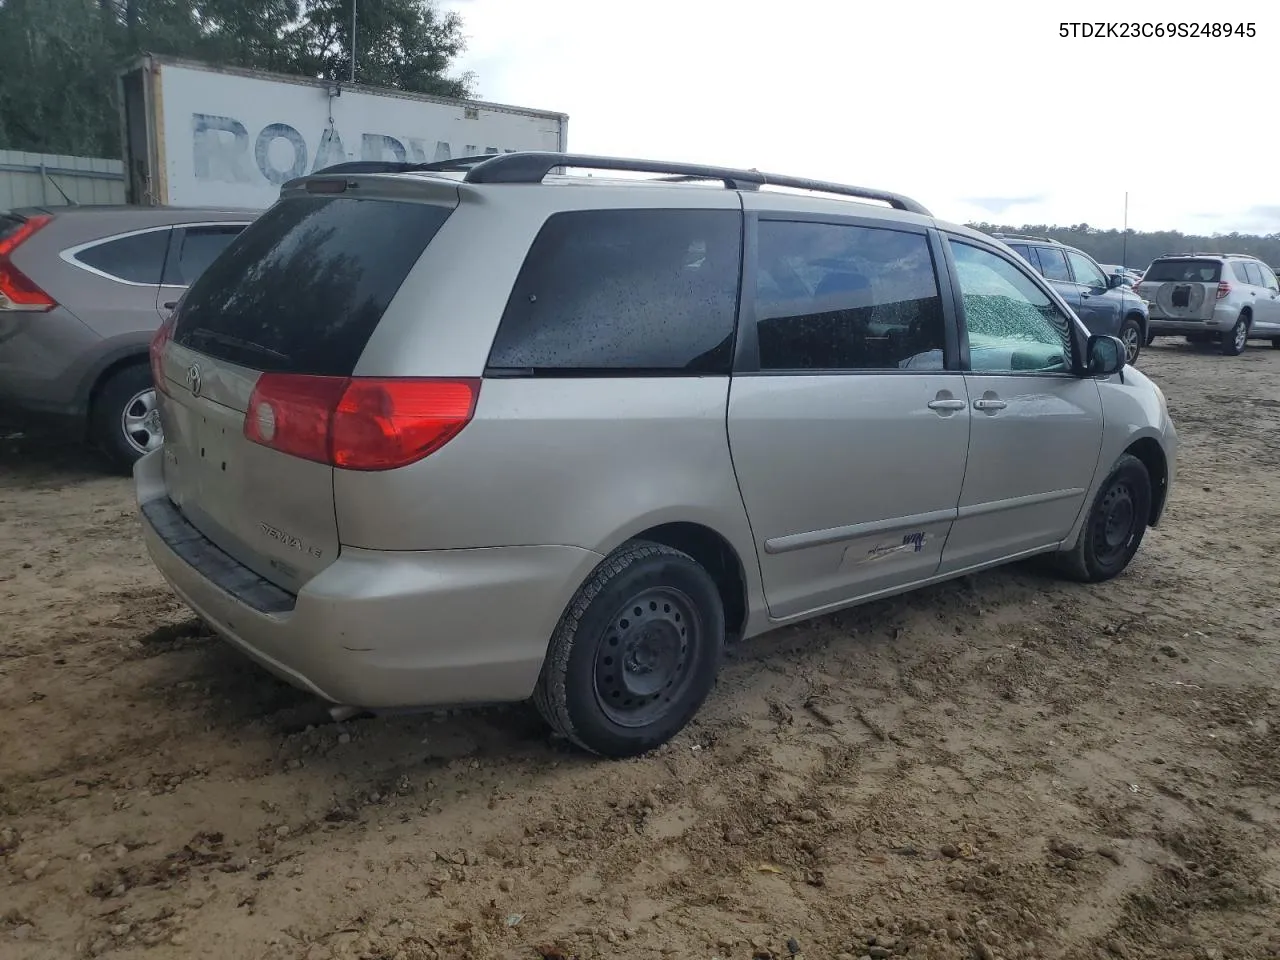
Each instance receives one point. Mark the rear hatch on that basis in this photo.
(1183, 288)
(278, 321)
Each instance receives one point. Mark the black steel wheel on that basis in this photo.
(1115, 525)
(636, 652)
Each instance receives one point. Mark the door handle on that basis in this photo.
(946, 404)
(986, 403)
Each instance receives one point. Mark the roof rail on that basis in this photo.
(1018, 236)
(533, 166)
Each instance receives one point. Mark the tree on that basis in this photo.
(1109, 246)
(58, 93)
(406, 44)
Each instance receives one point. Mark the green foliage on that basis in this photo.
(60, 57)
(1139, 249)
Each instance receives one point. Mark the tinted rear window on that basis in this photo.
(1183, 271)
(302, 289)
(138, 258)
(636, 291)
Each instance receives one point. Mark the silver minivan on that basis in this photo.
(485, 430)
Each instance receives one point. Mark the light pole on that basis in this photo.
(1124, 237)
(353, 41)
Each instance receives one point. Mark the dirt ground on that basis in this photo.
(1005, 766)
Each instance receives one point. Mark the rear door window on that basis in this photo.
(303, 287)
(1184, 271)
(625, 292)
(194, 248)
(1252, 274)
(1051, 263)
(136, 258)
(839, 297)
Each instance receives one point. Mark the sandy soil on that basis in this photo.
(1006, 766)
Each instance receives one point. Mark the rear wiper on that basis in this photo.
(227, 340)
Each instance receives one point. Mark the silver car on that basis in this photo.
(1228, 298)
(481, 431)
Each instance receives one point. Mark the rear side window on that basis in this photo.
(837, 297)
(303, 287)
(1051, 263)
(136, 259)
(194, 248)
(635, 291)
(1183, 271)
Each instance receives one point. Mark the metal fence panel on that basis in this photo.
(41, 180)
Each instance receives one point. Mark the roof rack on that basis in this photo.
(1018, 236)
(534, 166)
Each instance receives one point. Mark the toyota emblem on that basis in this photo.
(193, 379)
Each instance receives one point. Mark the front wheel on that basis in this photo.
(636, 652)
(1234, 340)
(1131, 337)
(125, 421)
(1114, 527)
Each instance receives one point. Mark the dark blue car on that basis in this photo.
(1101, 301)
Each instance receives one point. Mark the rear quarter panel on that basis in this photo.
(574, 461)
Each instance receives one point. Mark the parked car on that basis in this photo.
(1099, 299)
(1228, 298)
(1127, 276)
(469, 432)
(82, 292)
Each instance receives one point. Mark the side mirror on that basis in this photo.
(1106, 356)
(1115, 280)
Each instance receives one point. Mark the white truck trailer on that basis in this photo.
(202, 136)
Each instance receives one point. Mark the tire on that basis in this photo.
(616, 704)
(124, 422)
(1151, 338)
(1114, 527)
(1235, 339)
(1130, 334)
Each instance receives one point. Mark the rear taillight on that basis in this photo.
(358, 423)
(17, 291)
(158, 343)
(1224, 288)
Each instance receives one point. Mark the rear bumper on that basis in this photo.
(377, 629)
(1223, 319)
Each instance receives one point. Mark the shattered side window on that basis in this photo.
(1012, 326)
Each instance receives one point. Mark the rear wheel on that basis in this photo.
(1151, 338)
(1131, 336)
(636, 652)
(125, 421)
(1114, 527)
(1234, 340)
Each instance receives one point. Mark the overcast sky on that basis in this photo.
(978, 109)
